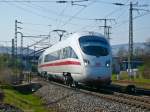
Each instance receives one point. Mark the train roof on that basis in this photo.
(69, 41)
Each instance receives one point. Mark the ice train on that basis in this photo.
(84, 57)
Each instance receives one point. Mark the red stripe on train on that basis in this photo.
(61, 63)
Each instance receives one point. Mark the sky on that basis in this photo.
(41, 17)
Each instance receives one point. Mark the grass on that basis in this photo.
(138, 81)
(26, 102)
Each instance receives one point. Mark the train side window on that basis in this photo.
(61, 54)
(69, 50)
(51, 57)
(65, 53)
(40, 60)
(48, 57)
(54, 56)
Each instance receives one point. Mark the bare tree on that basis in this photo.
(122, 52)
(138, 51)
(147, 47)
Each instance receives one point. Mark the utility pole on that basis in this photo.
(106, 27)
(13, 52)
(15, 46)
(132, 7)
(108, 32)
(49, 36)
(130, 48)
(16, 32)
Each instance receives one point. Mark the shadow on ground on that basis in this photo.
(27, 88)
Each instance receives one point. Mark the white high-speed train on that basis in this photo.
(82, 58)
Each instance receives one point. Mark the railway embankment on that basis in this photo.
(62, 99)
(20, 98)
(5, 107)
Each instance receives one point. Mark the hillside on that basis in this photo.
(115, 48)
(8, 50)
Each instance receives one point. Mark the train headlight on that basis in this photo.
(107, 63)
(86, 62)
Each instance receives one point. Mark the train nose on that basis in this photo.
(98, 73)
(98, 77)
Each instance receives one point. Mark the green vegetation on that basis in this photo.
(9, 73)
(124, 76)
(144, 70)
(26, 102)
(139, 81)
(5, 71)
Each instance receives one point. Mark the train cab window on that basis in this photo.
(94, 45)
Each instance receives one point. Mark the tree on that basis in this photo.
(122, 52)
(147, 47)
(138, 51)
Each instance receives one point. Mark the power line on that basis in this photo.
(141, 15)
(30, 11)
(126, 21)
(36, 24)
(43, 1)
(106, 27)
(101, 1)
(37, 14)
(61, 14)
(78, 12)
(116, 10)
(28, 1)
(53, 12)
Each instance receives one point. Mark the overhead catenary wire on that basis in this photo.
(35, 13)
(36, 24)
(111, 13)
(80, 18)
(39, 1)
(30, 11)
(116, 10)
(77, 13)
(102, 1)
(59, 19)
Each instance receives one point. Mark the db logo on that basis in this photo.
(97, 64)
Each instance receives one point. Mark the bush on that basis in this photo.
(1, 95)
(6, 76)
(146, 72)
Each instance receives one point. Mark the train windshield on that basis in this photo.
(94, 45)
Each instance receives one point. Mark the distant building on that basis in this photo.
(122, 65)
(134, 64)
(116, 65)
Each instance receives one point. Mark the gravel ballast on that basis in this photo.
(66, 100)
(8, 108)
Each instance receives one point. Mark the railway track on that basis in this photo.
(130, 100)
